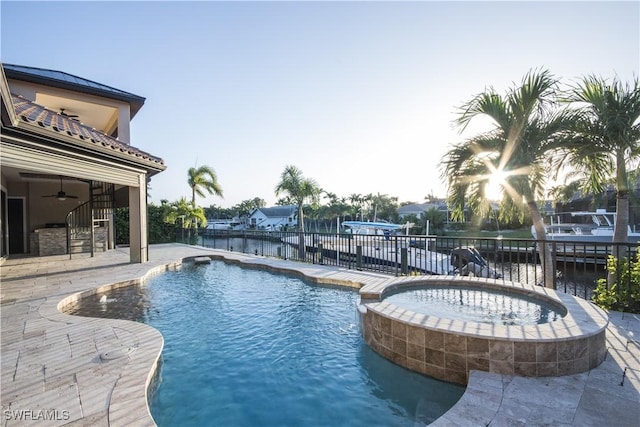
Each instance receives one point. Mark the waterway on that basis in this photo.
(578, 279)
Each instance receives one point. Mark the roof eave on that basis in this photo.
(153, 167)
(8, 112)
(135, 101)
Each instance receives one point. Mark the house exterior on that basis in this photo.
(66, 162)
(274, 218)
(420, 209)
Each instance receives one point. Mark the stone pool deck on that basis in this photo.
(66, 370)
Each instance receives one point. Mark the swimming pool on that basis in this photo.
(250, 348)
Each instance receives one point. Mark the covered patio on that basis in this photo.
(67, 164)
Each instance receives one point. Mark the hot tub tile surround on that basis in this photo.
(449, 349)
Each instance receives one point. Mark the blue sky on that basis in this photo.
(359, 95)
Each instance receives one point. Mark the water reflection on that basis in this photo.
(425, 407)
(129, 303)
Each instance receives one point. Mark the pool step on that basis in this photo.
(202, 260)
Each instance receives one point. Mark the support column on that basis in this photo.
(124, 118)
(138, 221)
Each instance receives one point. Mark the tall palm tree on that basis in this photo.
(515, 151)
(337, 208)
(298, 189)
(604, 133)
(201, 180)
(356, 205)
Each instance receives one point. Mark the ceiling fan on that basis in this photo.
(61, 194)
(71, 116)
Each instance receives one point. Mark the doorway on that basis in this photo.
(16, 222)
(4, 248)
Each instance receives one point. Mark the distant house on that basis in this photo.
(420, 209)
(546, 208)
(274, 218)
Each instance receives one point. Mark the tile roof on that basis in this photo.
(278, 211)
(30, 112)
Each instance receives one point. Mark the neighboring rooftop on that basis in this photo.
(278, 211)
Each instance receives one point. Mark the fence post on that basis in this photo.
(358, 257)
(404, 269)
(553, 264)
(395, 255)
(320, 261)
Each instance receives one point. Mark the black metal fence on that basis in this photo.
(578, 265)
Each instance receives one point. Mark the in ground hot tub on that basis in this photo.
(446, 326)
(477, 304)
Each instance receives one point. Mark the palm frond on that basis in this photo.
(488, 104)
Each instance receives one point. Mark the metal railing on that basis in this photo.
(578, 265)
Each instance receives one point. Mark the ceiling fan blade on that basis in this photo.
(71, 116)
(61, 194)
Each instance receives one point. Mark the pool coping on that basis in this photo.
(137, 349)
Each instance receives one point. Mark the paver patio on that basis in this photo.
(67, 370)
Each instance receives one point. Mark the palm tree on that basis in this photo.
(298, 189)
(336, 208)
(562, 194)
(515, 151)
(356, 205)
(604, 132)
(203, 179)
(187, 213)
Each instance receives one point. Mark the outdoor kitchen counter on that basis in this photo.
(49, 241)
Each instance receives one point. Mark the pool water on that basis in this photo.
(249, 348)
(476, 305)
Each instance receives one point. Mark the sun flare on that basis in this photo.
(496, 184)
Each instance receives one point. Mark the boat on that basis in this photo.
(383, 243)
(590, 227)
(224, 224)
(370, 228)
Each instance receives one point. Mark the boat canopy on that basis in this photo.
(373, 225)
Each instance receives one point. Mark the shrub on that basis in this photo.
(624, 294)
(159, 231)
